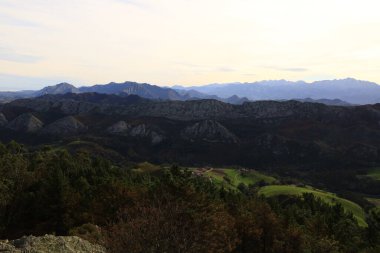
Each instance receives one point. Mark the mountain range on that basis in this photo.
(206, 131)
(349, 90)
(331, 92)
(143, 90)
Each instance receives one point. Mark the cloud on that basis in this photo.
(13, 21)
(9, 55)
(295, 69)
(127, 1)
(217, 41)
(205, 68)
(225, 69)
(189, 65)
(291, 69)
(134, 3)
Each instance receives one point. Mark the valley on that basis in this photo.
(101, 155)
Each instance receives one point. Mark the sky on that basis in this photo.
(186, 42)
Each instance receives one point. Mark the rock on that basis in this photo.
(156, 138)
(3, 120)
(209, 130)
(138, 131)
(143, 131)
(274, 111)
(50, 244)
(26, 122)
(65, 126)
(119, 128)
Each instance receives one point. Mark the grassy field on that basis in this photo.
(355, 209)
(374, 201)
(146, 167)
(374, 174)
(231, 178)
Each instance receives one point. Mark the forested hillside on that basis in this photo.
(129, 208)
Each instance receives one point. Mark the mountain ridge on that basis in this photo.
(143, 90)
(208, 131)
(349, 91)
(132, 105)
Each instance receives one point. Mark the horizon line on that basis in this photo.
(188, 86)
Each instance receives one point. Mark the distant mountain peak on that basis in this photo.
(64, 84)
(351, 90)
(61, 88)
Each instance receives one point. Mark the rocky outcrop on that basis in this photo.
(65, 126)
(200, 109)
(3, 120)
(209, 130)
(119, 128)
(26, 122)
(50, 244)
(145, 131)
(137, 131)
(187, 110)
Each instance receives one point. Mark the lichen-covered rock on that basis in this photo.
(209, 130)
(3, 120)
(26, 122)
(65, 126)
(50, 244)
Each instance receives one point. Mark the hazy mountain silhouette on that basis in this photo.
(331, 92)
(349, 90)
(143, 90)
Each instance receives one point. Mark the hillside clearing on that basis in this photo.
(232, 178)
(276, 190)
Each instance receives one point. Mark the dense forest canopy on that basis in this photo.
(49, 190)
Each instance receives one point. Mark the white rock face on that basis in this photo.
(50, 244)
(138, 131)
(209, 130)
(119, 128)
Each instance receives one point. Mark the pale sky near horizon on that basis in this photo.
(186, 42)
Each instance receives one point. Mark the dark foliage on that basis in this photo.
(52, 191)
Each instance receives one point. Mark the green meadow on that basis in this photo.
(349, 206)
